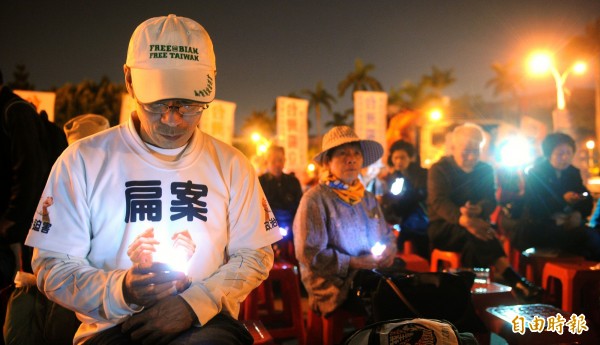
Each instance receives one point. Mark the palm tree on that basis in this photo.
(341, 119)
(439, 79)
(21, 79)
(359, 79)
(259, 121)
(506, 81)
(317, 98)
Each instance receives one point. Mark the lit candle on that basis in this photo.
(377, 249)
(397, 186)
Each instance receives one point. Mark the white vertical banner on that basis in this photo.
(218, 120)
(42, 100)
(370, 112)
(292, 132)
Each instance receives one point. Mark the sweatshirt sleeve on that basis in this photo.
(230, 285)
(74, 284)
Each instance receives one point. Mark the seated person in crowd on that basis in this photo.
(155, 181)
(556, 204)
(403, 202)
(461, 197)
(283, 192)
(338, 223)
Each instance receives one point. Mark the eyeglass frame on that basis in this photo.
(167, 108)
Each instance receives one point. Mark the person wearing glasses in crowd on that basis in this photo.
(156, 231)
(460, 200)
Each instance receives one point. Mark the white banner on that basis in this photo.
(292, 132)
(370, 111)
(218, 120)
(42, 100)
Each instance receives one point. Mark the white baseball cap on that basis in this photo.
(171, 58)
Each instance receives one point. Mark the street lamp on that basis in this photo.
(540, 63)
(590, 145)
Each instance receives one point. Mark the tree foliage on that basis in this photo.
(317, 98)
(88, 97)
(259, 121)
(425, 93)
(345, 118)
(359, 79)
(20, 79)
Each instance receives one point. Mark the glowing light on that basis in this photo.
(311, 167)
(255, 137)
(580, 67)
(590, 144)
(516, 151)
(262, 148)
(283, 230)
(397, 186)
(435, 114)
(540, 62)
(175, 257)
(377, 249)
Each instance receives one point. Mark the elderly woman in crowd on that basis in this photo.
(557, 203)
(338, 223)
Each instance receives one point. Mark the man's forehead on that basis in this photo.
(466, 143)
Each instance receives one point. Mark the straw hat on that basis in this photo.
(340, 135)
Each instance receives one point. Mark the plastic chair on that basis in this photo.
(532, 262)
(259, 333)
(287, 322)
(572, 276)
(330, 330)
(444, 259)
(414, 262)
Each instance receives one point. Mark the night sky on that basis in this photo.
(266, 49)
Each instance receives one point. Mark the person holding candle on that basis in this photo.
(460, 199)
(403, 202)
(127, 201)
(556, 204)
(338, 223)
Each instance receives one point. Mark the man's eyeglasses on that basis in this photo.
(183, 109)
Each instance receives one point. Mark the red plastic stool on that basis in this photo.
(414, 262)
(330, 330)
(572, 276)
(259, 333)
(532, 262)
(451, 259)
(285, 323)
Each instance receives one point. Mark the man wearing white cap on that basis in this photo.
(152, 231)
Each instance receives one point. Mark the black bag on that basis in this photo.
(409, 332)
(433, 295)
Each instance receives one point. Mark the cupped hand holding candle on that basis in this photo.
(377, 249)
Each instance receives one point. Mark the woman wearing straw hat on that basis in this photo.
(338, 224)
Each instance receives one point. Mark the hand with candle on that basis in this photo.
(573, 198)
(147, 283)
